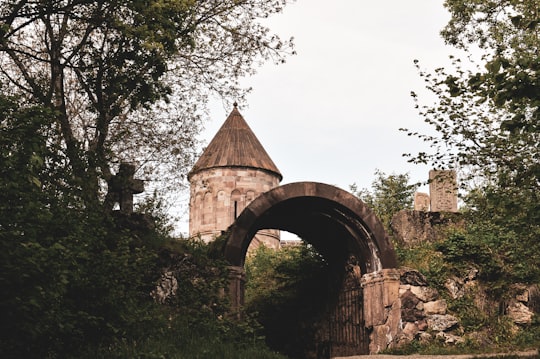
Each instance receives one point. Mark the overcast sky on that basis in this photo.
(332, 112)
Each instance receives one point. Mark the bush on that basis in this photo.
(287, 292)
(76, 280)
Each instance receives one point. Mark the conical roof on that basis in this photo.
(235, 145)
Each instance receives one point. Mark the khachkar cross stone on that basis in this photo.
(443, 191)
(124, 186)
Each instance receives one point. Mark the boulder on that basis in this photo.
(422, 325)
(425, 294)
(166, 287)
(454, 286)
(424, 337)
(412, 277)
(403, 288)
(409, 311)
(519, 312)
(472, 274)
(410, 330)
(448, 338)
(441, 322)
(435, 307)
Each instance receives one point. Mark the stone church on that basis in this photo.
(232, 171)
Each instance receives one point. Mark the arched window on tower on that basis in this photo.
(197, 210)
(208, 210)
(236, 197)
(222, 217)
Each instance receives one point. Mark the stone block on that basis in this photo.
(519, 313)
(443, 191)
(454, 286)
(441, 322)
(412, 277)
(421, 201)
(435, 307)
(425, 294)
(410, 330)
(379, 339)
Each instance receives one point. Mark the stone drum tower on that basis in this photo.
(232, 171)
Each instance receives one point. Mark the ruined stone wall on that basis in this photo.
(219, 195)
(424, 313)
(424, 310)
(410, 228)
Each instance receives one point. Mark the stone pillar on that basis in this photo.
(237, 281)
(382, 308)
(421, 201)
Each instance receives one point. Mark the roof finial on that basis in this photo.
(235, 104)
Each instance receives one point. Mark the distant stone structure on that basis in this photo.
(421, 201)
(443, 191)
(232, 171)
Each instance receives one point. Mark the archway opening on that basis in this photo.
(334, 221)
(288, 292)
(345, 233)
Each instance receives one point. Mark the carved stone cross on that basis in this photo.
(124, 186)
(443, 190)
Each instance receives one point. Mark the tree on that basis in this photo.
(127, 79)
(485, 122)
(389, 194)
(77, 282)
(487, 118)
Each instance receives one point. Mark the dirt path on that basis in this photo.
(526, 354)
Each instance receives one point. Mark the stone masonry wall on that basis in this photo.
(219, 195)
(423, 312)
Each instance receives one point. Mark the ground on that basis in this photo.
(526, 354)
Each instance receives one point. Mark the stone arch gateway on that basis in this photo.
(337, 224)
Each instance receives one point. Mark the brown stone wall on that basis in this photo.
(410, 228)
(219, 195)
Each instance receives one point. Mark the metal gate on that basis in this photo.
(347, 332)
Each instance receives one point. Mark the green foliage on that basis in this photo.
(69, 275)
(463, 252)
(425, 258)
(389, 194)
(182, 342)
(471, 318)
(508, 32)
(77, 282)
(287, 290)
(128, 80)
(485, 122)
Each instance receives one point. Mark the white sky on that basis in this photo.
(331, 114)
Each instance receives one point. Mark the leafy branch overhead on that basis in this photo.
(485, 122)
(128, 80)
(486, 118)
